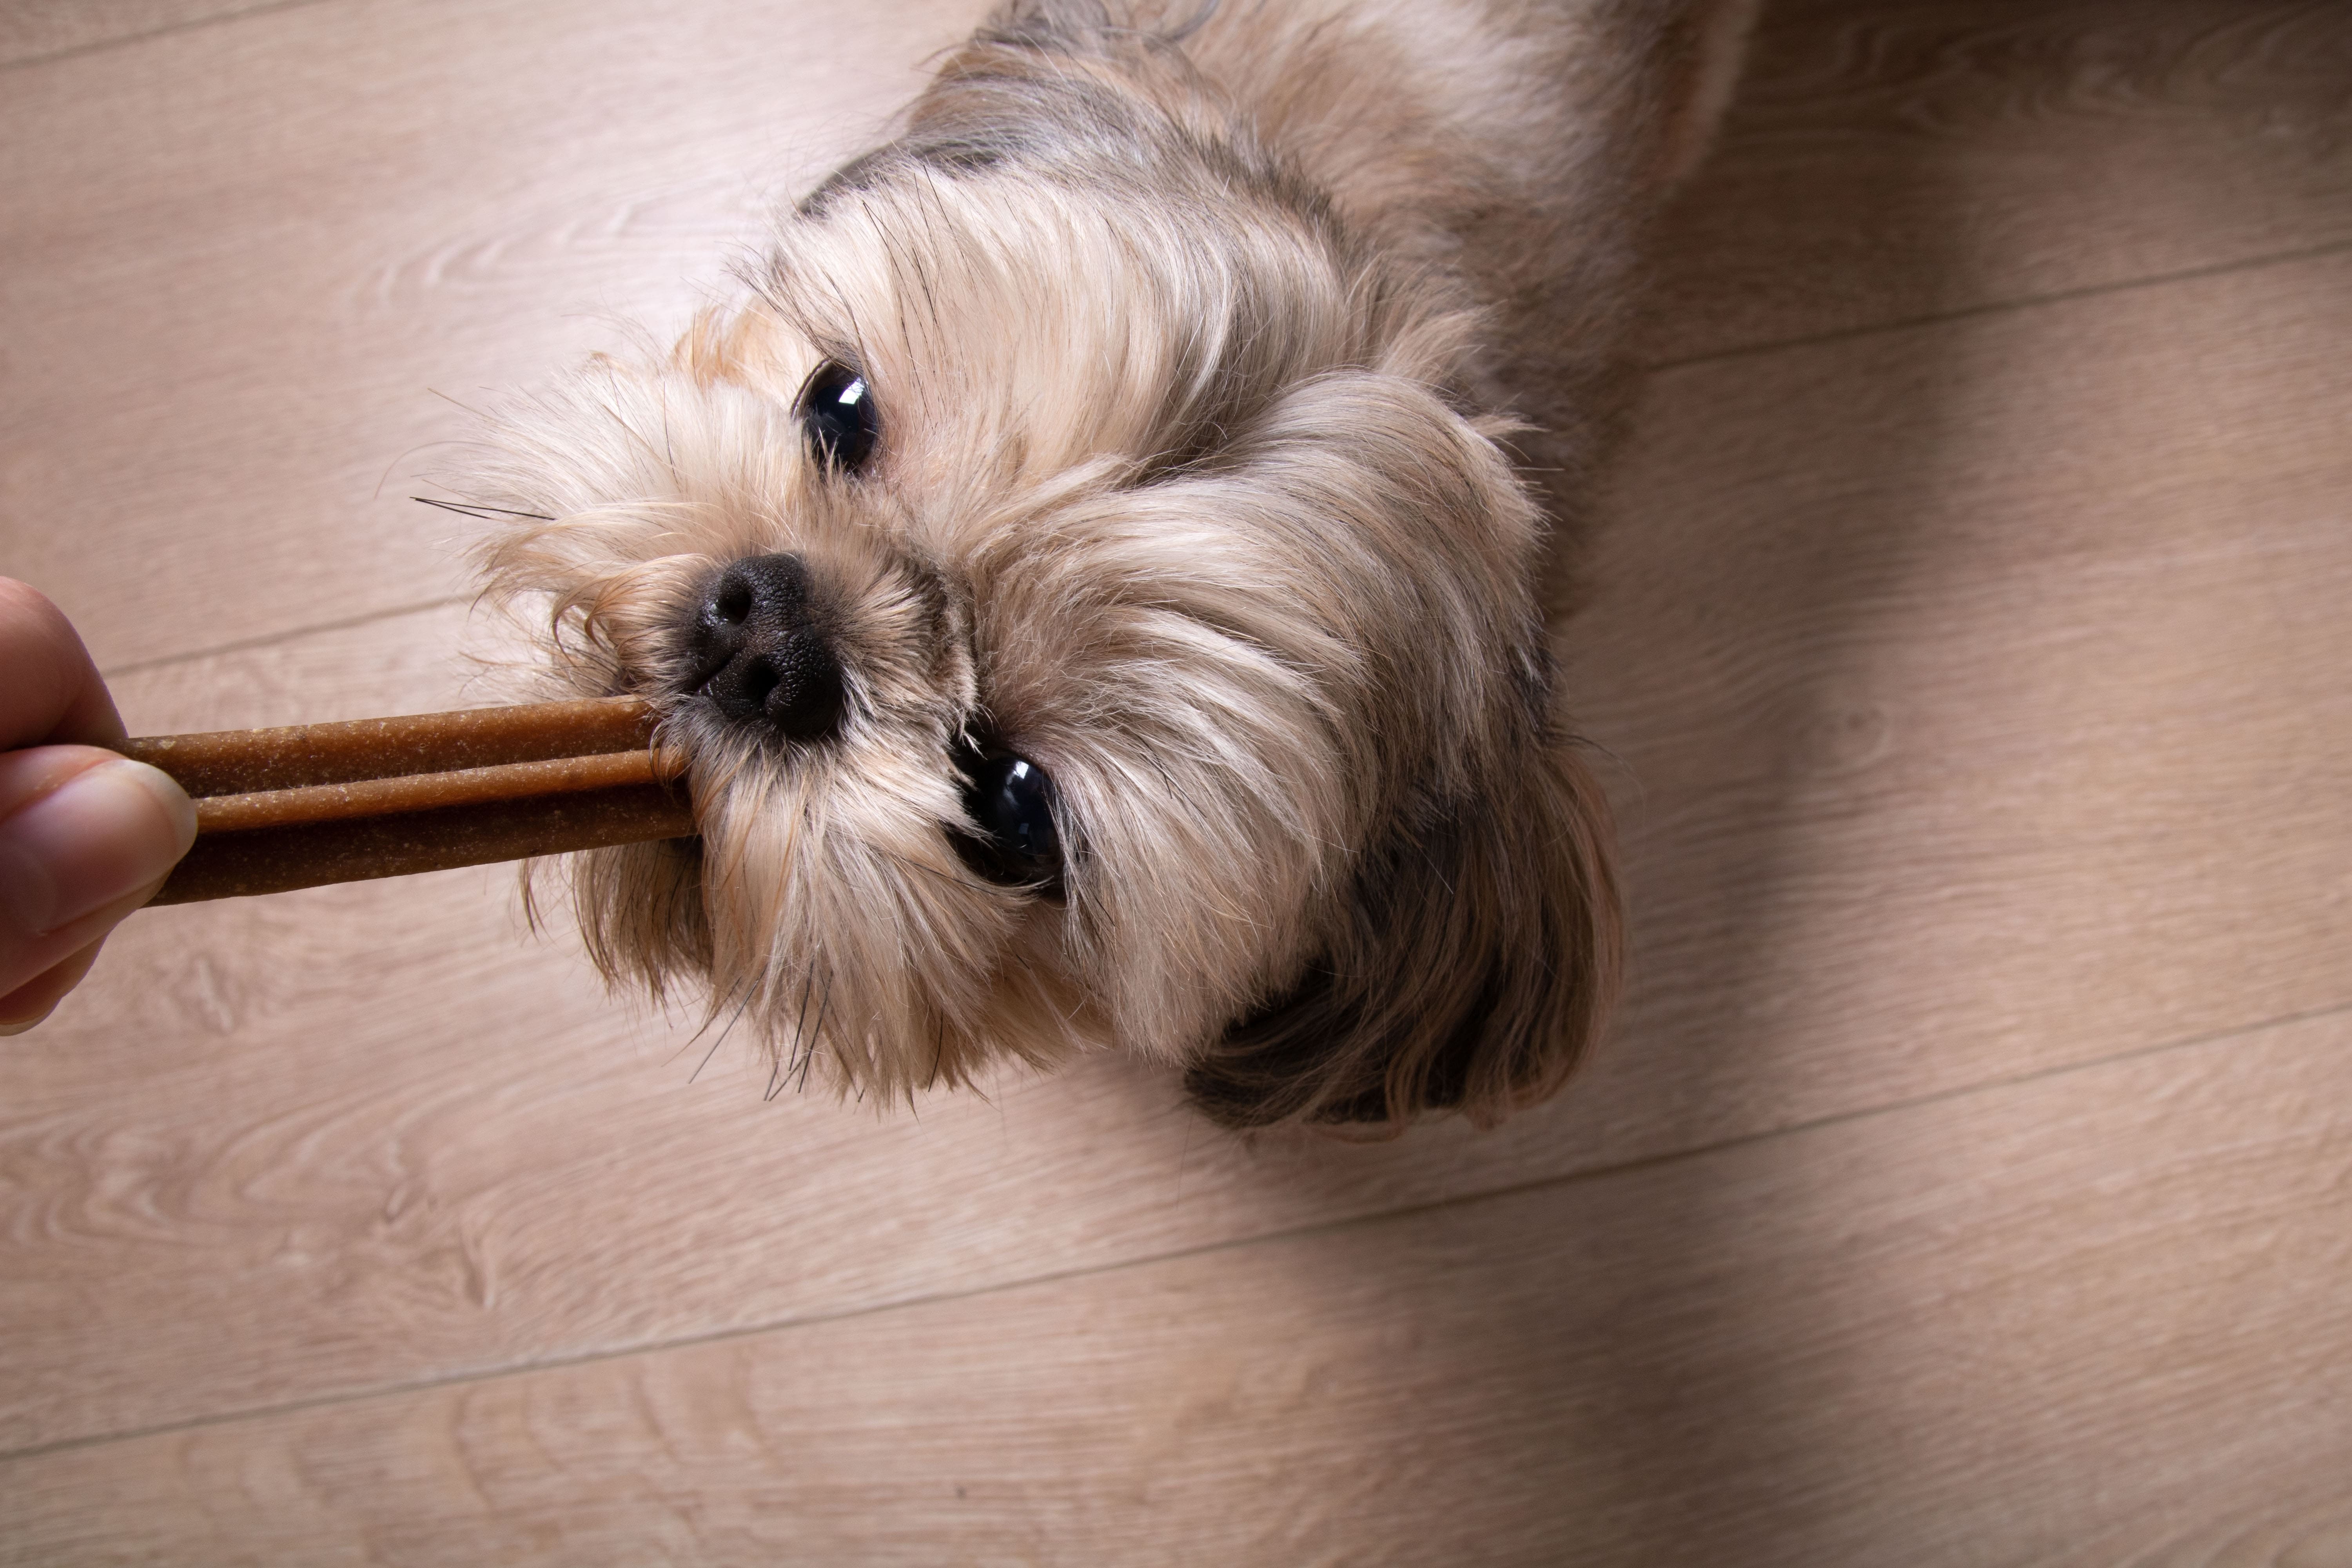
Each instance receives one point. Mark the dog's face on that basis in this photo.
(1090, 623)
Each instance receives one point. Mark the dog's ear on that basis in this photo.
(1474, 960)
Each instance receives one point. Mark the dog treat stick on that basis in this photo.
(279, 809)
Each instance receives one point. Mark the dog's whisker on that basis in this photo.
(824, 1004)
(799, 1021)
(480, 513)
(741, 1007)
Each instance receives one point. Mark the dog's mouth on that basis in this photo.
(758, 660)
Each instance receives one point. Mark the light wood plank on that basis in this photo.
(241, 262)
(2101, 1317)
(1889, 160)
(1968, 706)
(1958, 673)
(33, 30)
(243, 276)
(1978, 692)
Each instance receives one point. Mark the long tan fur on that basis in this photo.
(1241, 373)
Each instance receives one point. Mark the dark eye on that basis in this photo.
(837, 412)
(1011, 800)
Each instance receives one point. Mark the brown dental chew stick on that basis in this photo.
(295, 807)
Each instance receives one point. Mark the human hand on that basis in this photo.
(86, 837)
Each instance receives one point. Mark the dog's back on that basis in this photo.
(1519, 147)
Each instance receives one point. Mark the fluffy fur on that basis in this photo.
(1241, 371)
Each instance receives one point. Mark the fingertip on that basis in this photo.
(179, 812)
(30, 1005)
(102, 834)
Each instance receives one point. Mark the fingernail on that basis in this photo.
(102, 834)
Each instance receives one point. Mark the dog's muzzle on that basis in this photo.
(757, 655)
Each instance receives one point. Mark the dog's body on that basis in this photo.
(1090, 574)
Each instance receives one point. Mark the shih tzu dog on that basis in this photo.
(1101, 570)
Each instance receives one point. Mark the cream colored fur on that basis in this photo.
(1240, 372)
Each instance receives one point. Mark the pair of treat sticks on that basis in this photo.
(295, 807)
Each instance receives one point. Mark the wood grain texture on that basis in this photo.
(2104, 1317)
(244, 277)
(246, 263)
(1888, 160)
(36, 30)
(1958, 677)
(1966, 725)
(1972, 694)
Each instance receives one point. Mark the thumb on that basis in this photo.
(86, 837)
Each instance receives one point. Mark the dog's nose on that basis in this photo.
(758, 656)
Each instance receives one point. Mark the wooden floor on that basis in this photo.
(1968, 1183)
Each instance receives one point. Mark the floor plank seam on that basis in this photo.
(1206, 1250)
(1658, 367)
(291, 634)
(2002, 307)
(270, 7)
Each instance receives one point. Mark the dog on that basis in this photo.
(1102, 569)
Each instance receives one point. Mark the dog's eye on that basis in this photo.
(837, 412)
(1011, 800)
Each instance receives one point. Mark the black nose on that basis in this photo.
(757, 655)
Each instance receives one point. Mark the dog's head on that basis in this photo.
(1092, 619)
